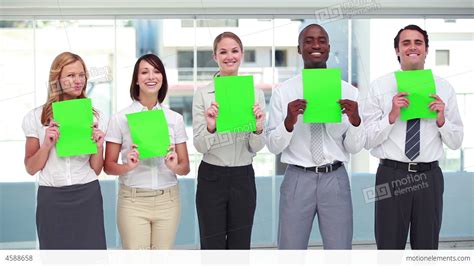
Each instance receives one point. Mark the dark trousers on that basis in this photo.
(225, 203)
(408, 201)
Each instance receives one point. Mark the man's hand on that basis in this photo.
(351, 109)
(295, 108)
(438, 106)
(398, 101)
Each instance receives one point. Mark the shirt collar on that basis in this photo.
(138, 107)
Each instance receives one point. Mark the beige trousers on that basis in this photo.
(148, 219)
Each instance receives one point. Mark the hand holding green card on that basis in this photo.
(419, 84)
(236, 97)
(149, 131)
(322, 91)
(75, 119)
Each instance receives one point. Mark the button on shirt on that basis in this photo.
(151, 173)
(58, 171)
(339, 139)
(387, 141)
(223, 149)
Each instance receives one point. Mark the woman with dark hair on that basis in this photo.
(69, 211)
(226, 192)
(148, 201)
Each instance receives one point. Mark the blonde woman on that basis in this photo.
(69, 211)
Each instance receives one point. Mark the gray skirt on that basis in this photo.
(70, 217)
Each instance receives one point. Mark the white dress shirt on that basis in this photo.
(339, 139)
(151, 173)
(59, 171)
(387, 141)
(223, 149)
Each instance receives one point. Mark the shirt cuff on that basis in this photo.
(114, 140)
(384, 123)
(254, 136)
(208, 138)
(282, 133)
(180, 140)
(446, 128)
(356, 129)
(32, 135)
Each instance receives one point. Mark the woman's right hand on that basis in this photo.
(211, 114)
(132, 158)
(51, 135)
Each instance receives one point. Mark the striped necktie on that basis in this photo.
(412, 140)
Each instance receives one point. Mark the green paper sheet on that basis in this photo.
(419, 84)
(322, 91)
(75, 119)
(236, 97)
(149, 131)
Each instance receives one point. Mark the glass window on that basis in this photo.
(280, 58)
(183, 105)
(286, 38)
(17, 81)
(214, 23)
(442, 57)
(249, 56)
(111, 47)
(186, 64)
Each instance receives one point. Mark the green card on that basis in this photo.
(419, 84)
(236, 97)
(322, 91)
(149, 131)
(75, 119)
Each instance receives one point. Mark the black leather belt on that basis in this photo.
(410, 167)
(322, 169)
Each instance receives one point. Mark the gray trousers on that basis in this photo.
(303, 194)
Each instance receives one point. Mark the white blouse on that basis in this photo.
(151, 173)
(223, 149)
(58, 171)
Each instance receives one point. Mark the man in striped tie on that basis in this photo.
(409, 182)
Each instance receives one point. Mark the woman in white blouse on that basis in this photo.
(148, 201)
(226, 192)
(69, 211)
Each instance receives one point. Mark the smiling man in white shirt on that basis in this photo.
(316, 181)
(409, 175)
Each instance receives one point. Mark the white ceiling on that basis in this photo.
(372, 8)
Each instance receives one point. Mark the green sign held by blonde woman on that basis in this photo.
(75, 119)
(236, 97)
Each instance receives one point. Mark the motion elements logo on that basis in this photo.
(346, 10)
(408, 184)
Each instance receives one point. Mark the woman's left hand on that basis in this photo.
(171, 159)
(98, 136)
(260, 116)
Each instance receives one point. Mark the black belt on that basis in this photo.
(410, 167)
(322, 169)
